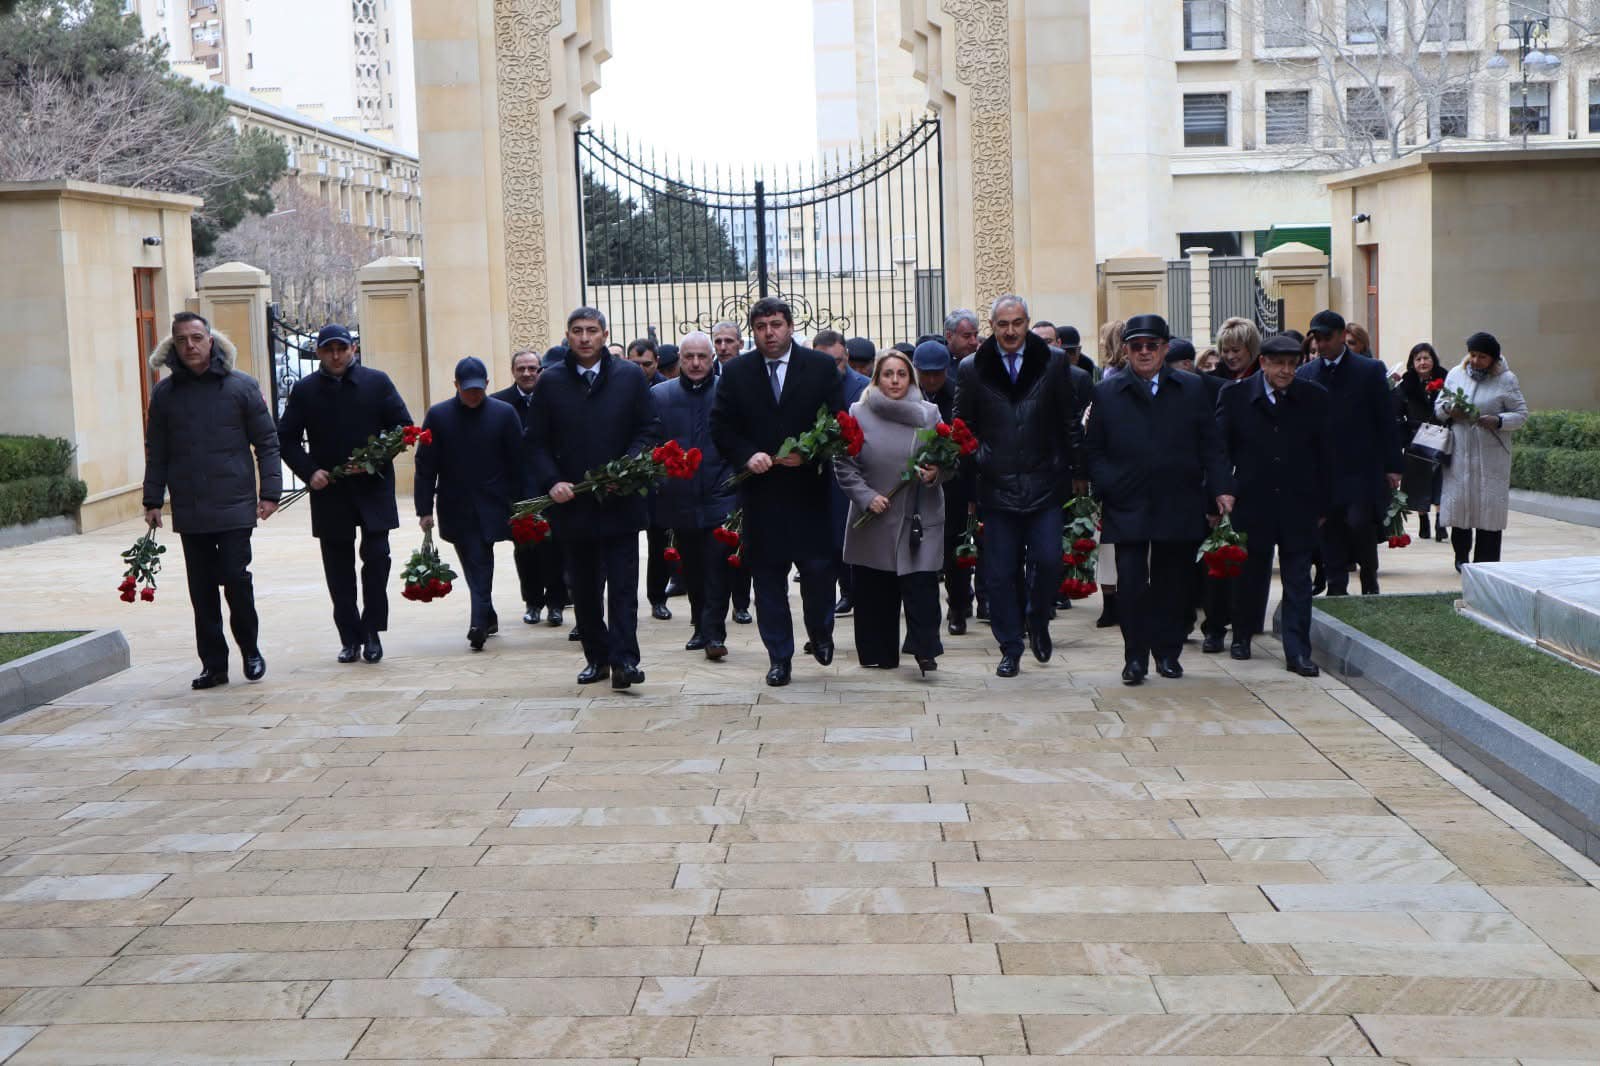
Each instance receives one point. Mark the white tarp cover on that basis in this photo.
(1553, 601)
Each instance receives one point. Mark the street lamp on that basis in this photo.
(1528, 33)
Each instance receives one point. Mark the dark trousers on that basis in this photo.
(477, 567)
(847, 578)
(1008, 538)
(1153, 579)
(770, 580)
(657, 571)
(957, 580)
(213, 561)
(739, 588)
(605, 596)
(1350, 535)
(354, 622)
(1488, 544)
(1252, 588)
(880, 595)
(705, 580)
(1215, 595)
(541, 573)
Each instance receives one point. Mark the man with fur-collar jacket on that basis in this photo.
(205, 418)
(1021, 405)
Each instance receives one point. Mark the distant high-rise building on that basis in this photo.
(348, 62)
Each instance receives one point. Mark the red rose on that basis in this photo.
(942, 430)
(148, 594)
(1436, 385)
(127, 583)
(1083, 544)
(434, 585)
(671, 555)
(735, 560)
(966, 562)
(128, 595)
(444, 588)
(425, 437)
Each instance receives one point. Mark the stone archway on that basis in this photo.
(502, 84)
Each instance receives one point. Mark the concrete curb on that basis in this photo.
(1553, 785)
(1574, 509)
(34, 532)
(45, 675)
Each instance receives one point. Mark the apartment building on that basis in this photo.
(345, 61)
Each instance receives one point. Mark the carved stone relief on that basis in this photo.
(983, 63)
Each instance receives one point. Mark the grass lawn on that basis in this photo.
(16, 645)
(1554, 697)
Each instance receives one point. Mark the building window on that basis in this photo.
(1289, 117)
(1223, 244)
(1205, 25)
(1284, 23)
(1594, 106)
(1366, 21)
(1531, 11)
(1450, 115)
(1534, 116)
(1447, 21)
(1367, 112)
(249, 61)
(1205, 120)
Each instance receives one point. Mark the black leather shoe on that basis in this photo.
(822, 651)
(1063, 603)
(1108, 611)
(477, 637)
(373, 652)
(1303, 667)
(554, 616)
(349, 653)
(1008, 666)
(574, 635)
(1240, 649)
(1212, 645)
(594, 672)
(623, 676)
(1319, 583)
(983, 612)
(1369, 588)
(927, 664)
(741, 615)
(695, 642)
(255, 667)
(210, 679)
(778, 674)
(956, 626)
(1133, 674)
(844, 606)
(661, 612)
(675, 587)
(492, 629)
(1040, 644)
(716, 651)
(1169, 668)
(530, 617)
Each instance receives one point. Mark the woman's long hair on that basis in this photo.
(1412, 384)
(1112, 352)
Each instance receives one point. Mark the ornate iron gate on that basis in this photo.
(854, 245)
(294, 355)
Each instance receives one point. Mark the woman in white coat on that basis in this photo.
(1477, 483)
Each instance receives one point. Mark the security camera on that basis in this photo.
(152, 242)
(1363, 217)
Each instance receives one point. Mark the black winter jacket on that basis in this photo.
(474, 465)
(702, 502)
(335, 416)
(1029, 433)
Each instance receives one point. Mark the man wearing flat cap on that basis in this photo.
(329, 415)
(1279, 442)
(1367, 461)
(1157, 465)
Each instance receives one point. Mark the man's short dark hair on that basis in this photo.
(1046, 323)
(642, 344)
(587, 314)
(189, 316)
(926, 337)
(768, 306)
(827, 338)
(519, 354)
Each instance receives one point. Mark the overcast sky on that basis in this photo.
(719, 80)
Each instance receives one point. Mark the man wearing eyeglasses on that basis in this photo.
(1157, 464)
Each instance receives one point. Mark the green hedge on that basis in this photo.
(1561, 471)
(28, 457)
(1575, 430)
(33, 498)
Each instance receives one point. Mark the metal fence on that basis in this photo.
(1180, 312)
(1233, 290)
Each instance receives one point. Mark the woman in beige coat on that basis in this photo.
(897, 554)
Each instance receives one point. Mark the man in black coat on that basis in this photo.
(1367, 462)
(768, 394)
(336, 410)
(587, 411)
(474, 466)
(539, 565)
(1279, 441)
(205, 418)
(1021, 404)
(1156, 461)
(696, 508)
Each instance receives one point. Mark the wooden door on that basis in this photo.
(1370, 252)
(144, 327)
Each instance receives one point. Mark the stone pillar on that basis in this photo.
(1199, 296)
(394, 337)
(234, 298)
(1297, 274)
(1136, 284)
(1136, 122)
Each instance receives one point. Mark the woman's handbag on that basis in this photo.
(1431, 444)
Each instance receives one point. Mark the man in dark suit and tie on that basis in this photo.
(1279, 441)
(1367, 462)
(538, 564)
(767, 395)
(1157, 465)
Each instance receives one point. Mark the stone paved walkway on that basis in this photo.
(469, 857)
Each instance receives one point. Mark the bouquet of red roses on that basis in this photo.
(829, 435)
(426, 576)
(630, 474)
(144, 563)
(1080, 548)
(1394, 520)
(943, 446)
(1224, 550)
(730, 535)
(967, 550)
(371, 457)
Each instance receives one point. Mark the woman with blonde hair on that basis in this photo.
(1114, 358)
